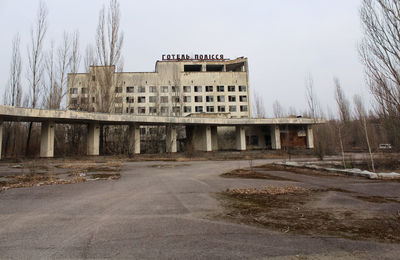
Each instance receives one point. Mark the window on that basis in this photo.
(141, 89)
(153, 99)
(192, 67)
(73, 101)
(221, 108)
(141, 99)
(152, 110)
(141, 110)
(175, 89)
(232, 108)
(209, 89)
(152, 89)
(164, 89)
(164, 99)
(118, 89)
(243, 108)
(130, 89)
(198, 109)
(210, 108)
(84, 100)
(164, 110)
(231, 88)
(187, 99)
(221, 98)
(187, 109)
(93, 99)
(232, 98)
(118, 110)
(129, 110)
(209, 98)
(93, 78)
(176, 109)
(254, 140)
(197, 89)
(84, 90)
(186, 89)
(220, 88)
(130, 99)
(142, 131)
(175, 99)
(73, 90)
(243, 98)
(198, 99)
(242, 88)
(118, 100)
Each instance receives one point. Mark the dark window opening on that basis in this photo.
(214, 67)
(192, 68)
(235, 67)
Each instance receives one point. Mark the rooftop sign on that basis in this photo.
(201, 57)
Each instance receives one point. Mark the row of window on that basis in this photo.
(165, 89)
(186, 109)
(186, 99)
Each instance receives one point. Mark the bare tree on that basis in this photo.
(35, 61)
(380, 53)
(361, 114)
(344, 113)
(14, 91)
(258, 106)
(278, 110)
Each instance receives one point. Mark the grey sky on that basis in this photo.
(284, 40)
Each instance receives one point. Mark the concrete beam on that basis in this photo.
(47, 139)
(310, 137)
(275, 137)
(240, 138)
(170, 139)
(214, 138)
(93, 139)
(134, 139)
(1, 136)
(202, 138)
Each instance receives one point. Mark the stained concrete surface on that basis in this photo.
(162, 212)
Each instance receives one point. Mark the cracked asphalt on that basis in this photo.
(156, 210)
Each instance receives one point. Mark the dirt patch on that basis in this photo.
(285, 209)
(251, 174)
(164, 166)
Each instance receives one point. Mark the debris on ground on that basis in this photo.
(270, 190)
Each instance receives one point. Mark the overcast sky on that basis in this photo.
(283, 40)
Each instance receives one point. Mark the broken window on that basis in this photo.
(221, 108)
(130, 89)
(141, 99)
(209, 98)
(198, 109)
(232, 108)
(221, 98)
(231, 88)
(130, 99)
(175, 99)
(118, 89)
(186, 89)
(235, 67)
(198, 99)
(210, 108)
(187, 99)
(197, 89)
(187, 109)
(209, 89)
(232, 98)
(141, 110)
(152, 110)
(243, 98)
(176, 109)
(220, 88)
(190, 68)
(243, 108)
(129, 110)
(242, 88)
(214, 67)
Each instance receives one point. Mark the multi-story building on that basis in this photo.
(179, 86)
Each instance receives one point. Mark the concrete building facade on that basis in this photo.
(177, 87)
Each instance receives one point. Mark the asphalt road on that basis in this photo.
(156, 210)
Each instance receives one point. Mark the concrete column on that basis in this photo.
(275, 137)
(202, 138)
(240, 138)
(170, 139)
(134, 139)
(310, 137)
(93, 139)
(1, 135)
(47, 139)
(214, 138)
